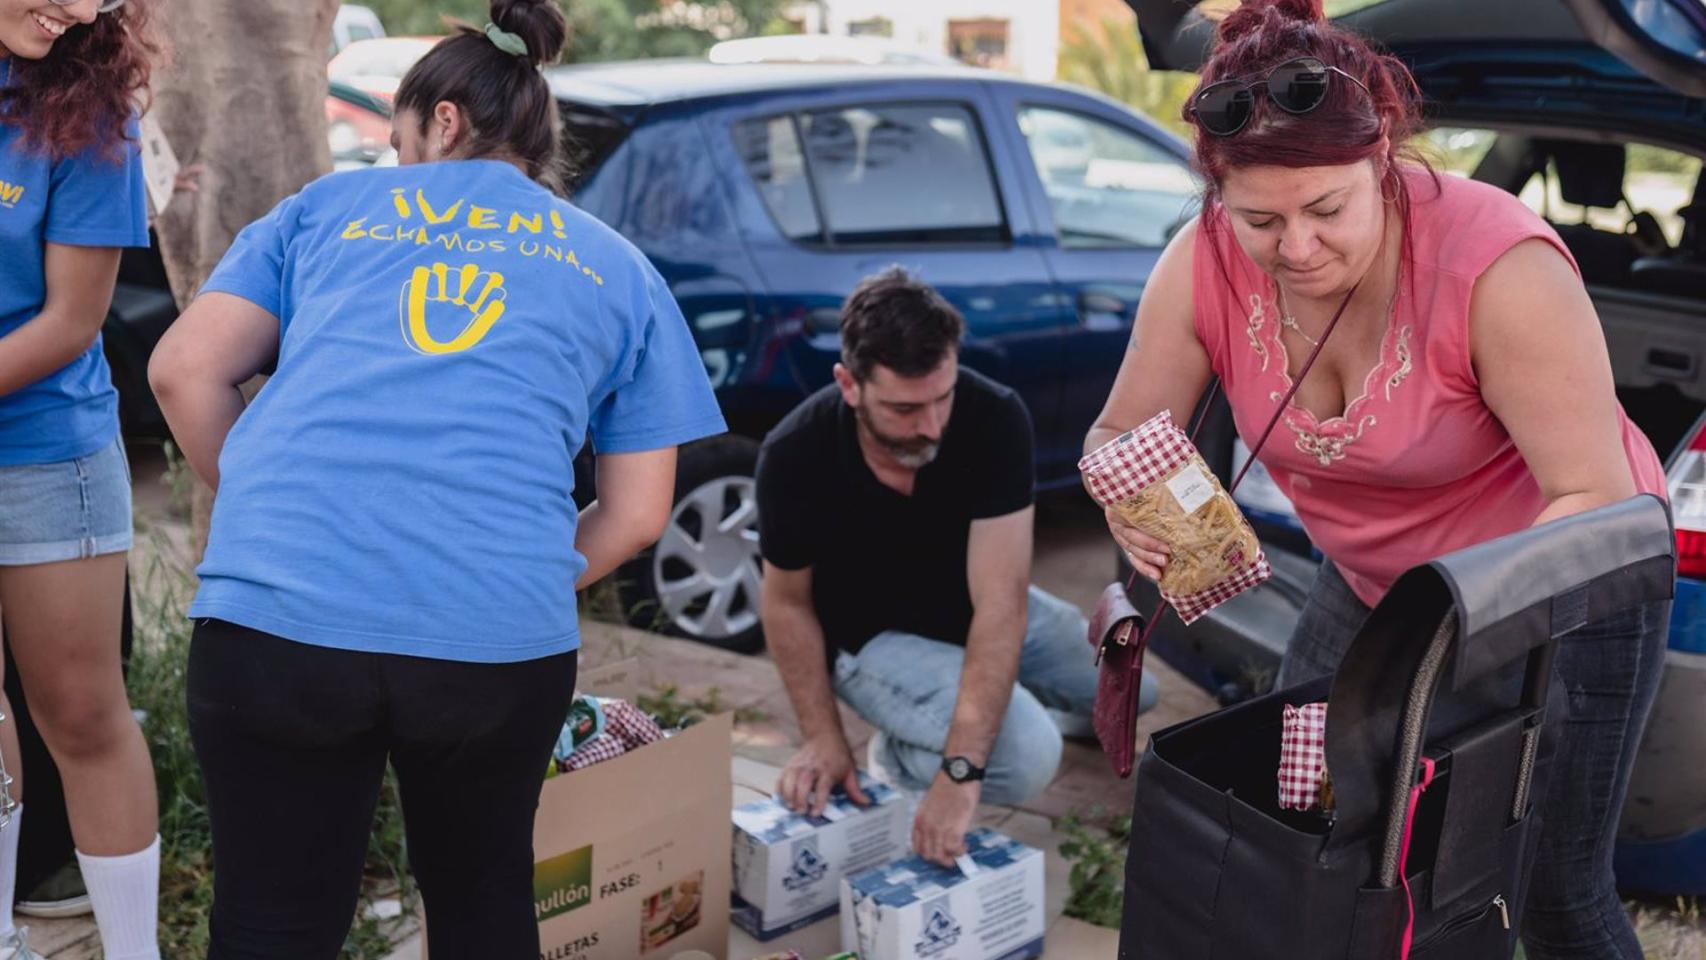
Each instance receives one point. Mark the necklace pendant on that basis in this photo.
(1287, 320)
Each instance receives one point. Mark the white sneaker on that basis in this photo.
(13, 947)
(873, 764)
(1072, 726)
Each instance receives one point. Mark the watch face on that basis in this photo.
(959, 768)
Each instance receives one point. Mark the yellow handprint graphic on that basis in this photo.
(460, 286)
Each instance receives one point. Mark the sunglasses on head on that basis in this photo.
(104, 6)
(1295, 86)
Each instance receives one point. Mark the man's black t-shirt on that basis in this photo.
(881, 560)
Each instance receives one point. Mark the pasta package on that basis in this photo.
(1155, 479)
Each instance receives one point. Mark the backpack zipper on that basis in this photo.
(1470, 920)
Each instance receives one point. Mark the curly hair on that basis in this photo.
(82, 94)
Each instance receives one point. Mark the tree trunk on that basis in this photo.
(245, 98)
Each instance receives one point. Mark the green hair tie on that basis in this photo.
(509, 43)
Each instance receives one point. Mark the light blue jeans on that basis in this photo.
(70, 510)
(906, 686)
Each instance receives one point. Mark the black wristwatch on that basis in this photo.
(961, 770)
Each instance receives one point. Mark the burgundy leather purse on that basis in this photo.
(1119, 634)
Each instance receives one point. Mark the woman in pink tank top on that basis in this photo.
(1466, 392)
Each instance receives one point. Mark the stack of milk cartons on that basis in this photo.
(788, 866)
(988, 908)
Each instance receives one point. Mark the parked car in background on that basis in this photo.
(353, 23)
(824, 48)
(358, 126)
(765, 192)
(1594, 112)
(377, 66)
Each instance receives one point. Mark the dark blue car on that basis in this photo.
(765, 192)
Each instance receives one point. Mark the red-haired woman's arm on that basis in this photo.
(1540, 354)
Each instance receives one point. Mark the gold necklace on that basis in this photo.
(1289, 321)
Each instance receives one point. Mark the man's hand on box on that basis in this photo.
(944, 817)
(820, 766)
(1148, 555)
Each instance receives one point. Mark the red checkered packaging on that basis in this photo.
(597, 750)
(1154, 477)
(1303, 780)
(630, 724)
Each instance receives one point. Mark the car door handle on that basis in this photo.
(1670, 363)
(1103, 312)
(1091, 302)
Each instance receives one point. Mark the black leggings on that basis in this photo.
(293, 741)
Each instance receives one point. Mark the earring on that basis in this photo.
(1395, 187)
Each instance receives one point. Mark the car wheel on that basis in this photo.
(701, 579)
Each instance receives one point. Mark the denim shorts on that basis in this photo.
(70, 510)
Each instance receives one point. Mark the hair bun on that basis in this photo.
(539, 23)
(1252, 15)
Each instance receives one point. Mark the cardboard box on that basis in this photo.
(915, 910)
(632, 854)
(788, 866)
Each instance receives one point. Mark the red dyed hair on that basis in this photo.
(83, 93)
(1346, 128)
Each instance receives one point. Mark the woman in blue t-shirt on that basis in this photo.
(394, 550)
(71, 195)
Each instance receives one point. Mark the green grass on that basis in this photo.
(1095, 844)
(666, 704)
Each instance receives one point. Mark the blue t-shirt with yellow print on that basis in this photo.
(450, 335)
(92, 199)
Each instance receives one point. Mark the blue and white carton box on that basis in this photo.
(989, 908)
(788, 866)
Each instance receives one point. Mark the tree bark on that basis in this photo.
(245, 97)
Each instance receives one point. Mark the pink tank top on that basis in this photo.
(1417, 466)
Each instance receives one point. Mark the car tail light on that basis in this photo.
(1688, 503)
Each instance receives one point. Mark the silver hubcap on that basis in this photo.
(705, 567)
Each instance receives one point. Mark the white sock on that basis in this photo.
(9, 868)
(125, 892)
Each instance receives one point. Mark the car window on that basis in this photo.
(902, 174)
(770, 148)
(1107, 186)
(361, 31)
(1456, 149)
(590, 136)
(1655, 180)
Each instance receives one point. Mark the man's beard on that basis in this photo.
(910, 453)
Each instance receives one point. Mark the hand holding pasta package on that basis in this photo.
(1154, 478)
